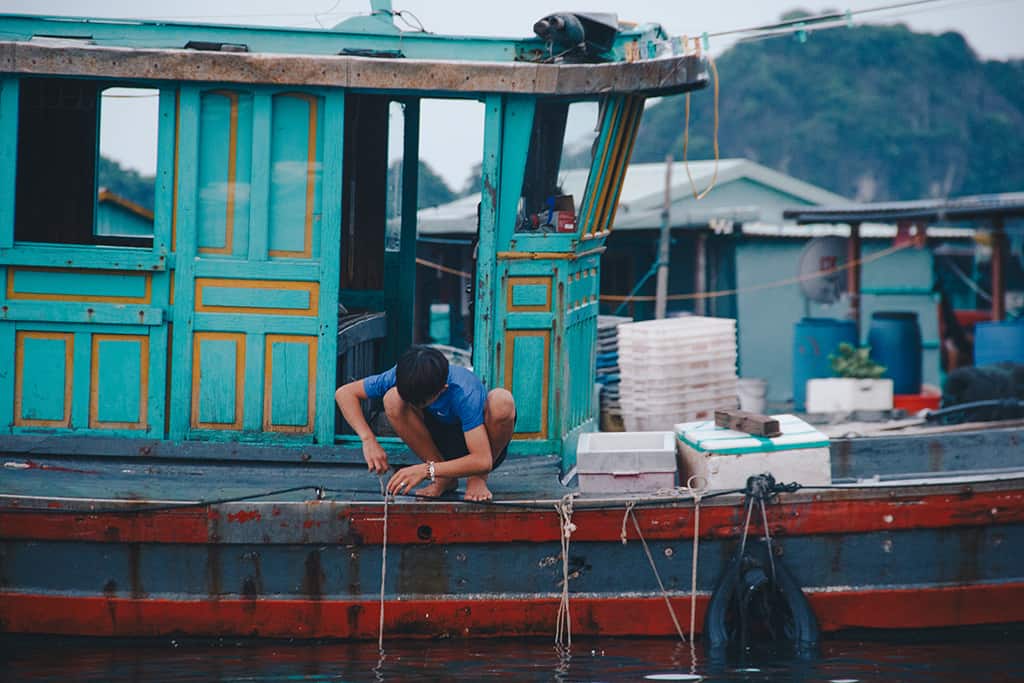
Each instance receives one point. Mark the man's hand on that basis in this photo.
(405, 479)
(376, 458)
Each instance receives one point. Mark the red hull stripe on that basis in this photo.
(648, 616)
(417, 524)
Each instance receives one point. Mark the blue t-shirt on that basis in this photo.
(462, 402)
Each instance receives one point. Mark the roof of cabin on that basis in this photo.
(368, 53)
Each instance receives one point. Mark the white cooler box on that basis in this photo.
(725, 458)
(626, 462)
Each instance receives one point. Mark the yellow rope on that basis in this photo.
(763, 285)
(443, 269)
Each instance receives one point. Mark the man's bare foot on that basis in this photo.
(476, 489)
(437, 488)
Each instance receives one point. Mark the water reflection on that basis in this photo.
(975, 656)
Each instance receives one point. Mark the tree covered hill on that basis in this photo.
(872, 112)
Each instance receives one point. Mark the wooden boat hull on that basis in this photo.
(888, 556)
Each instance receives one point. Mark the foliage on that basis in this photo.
(855, 363)
(873, 113)
(431, 191)
(125, 182)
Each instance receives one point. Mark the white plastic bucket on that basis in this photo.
(751, 392)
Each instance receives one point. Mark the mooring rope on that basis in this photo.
(654, 568)
(696, 493)
(563, 623)
(383, 567)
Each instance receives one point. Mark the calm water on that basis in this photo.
(964, 657)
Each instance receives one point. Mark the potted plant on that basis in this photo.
(858, 385)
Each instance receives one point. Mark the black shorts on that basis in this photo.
(451, 440)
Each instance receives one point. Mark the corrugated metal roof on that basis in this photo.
(643, 193)
(977, 207)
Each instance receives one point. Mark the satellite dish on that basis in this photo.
(823, 254)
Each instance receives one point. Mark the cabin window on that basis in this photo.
(396, 150)
(86, 163)
(557, 165)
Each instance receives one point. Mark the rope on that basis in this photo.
(697, 493)
(654, 568)
(444, 269)
(765, 285)
(383, 567)
(563, 622)
(686, 133)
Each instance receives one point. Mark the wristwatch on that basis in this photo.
(430, 470)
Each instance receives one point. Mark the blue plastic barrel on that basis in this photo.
(998, 342)
(895, 341)
(815, 339)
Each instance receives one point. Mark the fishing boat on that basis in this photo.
(173, 461)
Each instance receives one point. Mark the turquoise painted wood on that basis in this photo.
(65, 282)
(218, 386)
(119, 367)
(43, 374)
(225, 170)
(225, 329)
(8, 158)
(296, 155)
(291, 375)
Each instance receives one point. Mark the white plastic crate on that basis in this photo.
(626, 462)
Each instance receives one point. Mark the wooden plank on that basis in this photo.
(483, 324)
(8, 158)
(750, 423)
(105, 258)
(661, 76)
(71, 312)
(327, 232)
(182, 310)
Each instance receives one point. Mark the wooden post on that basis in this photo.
(853, 275)
(998, 280)
(661, 296)
(700, 274)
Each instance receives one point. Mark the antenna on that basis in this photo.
(823, 254)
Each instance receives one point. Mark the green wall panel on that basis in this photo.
(78, 283)
(218, 381)
(528, 382)
(224, 170)
(118, 380)
(289, 400)
(295, 175)
(43, 380)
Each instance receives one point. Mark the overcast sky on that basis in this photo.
(452, 132)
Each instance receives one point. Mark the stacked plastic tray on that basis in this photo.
(675, 370)
(608, 368)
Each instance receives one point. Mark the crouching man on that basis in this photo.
(446, 417)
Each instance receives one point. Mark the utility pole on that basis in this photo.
(663, 242)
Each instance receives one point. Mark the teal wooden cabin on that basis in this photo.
(216, 333)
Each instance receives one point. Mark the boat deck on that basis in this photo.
(27, 478)
(862, 454)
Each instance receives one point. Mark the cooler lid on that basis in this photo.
(706, 437)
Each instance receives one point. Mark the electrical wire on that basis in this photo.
(763, 285)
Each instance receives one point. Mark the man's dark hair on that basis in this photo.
(421, 373)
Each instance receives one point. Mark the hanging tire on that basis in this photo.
(750, 609)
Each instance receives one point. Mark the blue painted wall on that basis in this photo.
(767, 317)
